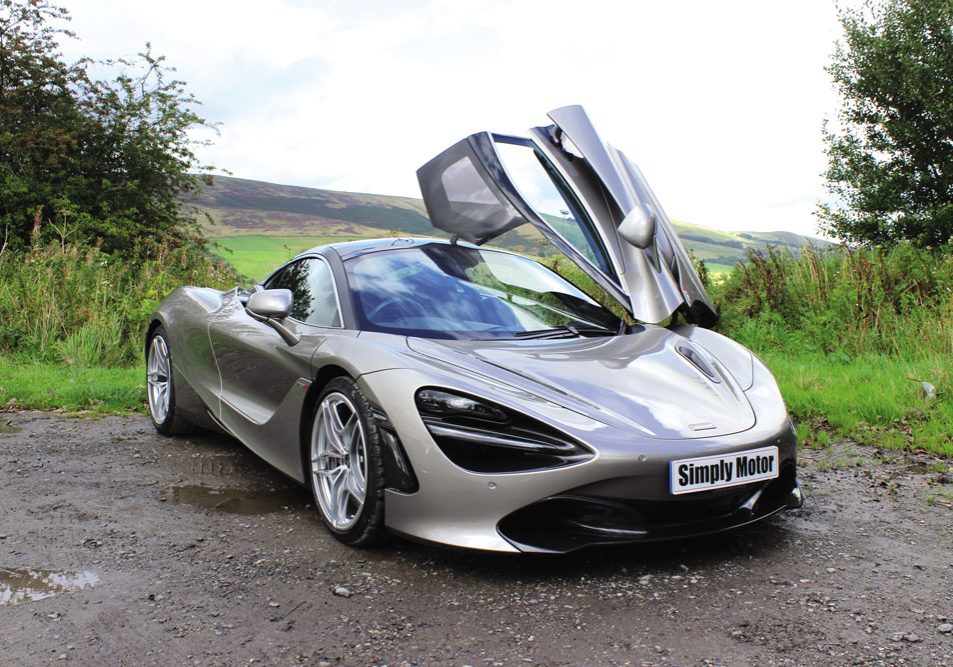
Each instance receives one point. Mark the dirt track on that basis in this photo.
(191, 550)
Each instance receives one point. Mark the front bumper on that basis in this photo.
(629, 475)
(576, 519)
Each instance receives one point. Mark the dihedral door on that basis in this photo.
(576, 190)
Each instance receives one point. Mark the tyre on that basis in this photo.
(160, 388)
(345, 467)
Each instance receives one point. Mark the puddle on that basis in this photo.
(7, 427)
(19, 585)
(233, 501)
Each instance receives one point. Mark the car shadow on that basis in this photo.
(773, 539)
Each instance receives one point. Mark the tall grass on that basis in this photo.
(851, 336)
(841, 302)
(77, 306)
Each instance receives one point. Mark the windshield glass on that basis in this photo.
(452, 291)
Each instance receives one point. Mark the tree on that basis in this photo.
(36, 107)
(890, 158)
(92, 161)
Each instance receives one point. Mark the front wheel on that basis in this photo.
(160, 388)
(346, 472)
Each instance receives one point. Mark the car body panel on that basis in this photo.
(476, 502)
(658, 279)
(189, 311)
(263, 381)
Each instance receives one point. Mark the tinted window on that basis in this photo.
(311, 285)
(448, 291)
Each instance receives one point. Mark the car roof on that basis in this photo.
(349, 249)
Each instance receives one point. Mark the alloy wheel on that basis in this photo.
(159, 379)
(339, 461)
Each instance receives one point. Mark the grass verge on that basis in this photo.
(875, 399)
(87, 390)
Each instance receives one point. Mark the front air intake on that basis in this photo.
(480, 436)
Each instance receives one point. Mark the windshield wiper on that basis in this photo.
(566, 332)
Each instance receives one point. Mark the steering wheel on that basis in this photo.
(402, 306)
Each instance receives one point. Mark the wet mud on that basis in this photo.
(122, 547)
(8, 427)
(233, 500)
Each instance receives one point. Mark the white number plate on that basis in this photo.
(718, 472)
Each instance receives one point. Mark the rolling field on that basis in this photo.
(257, 225)
(256, 256)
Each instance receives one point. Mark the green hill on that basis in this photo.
(258, 225)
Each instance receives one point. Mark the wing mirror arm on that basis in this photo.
(286, 334)
(270, 307)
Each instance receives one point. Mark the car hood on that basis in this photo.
(645, 382)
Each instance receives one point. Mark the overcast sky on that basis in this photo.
(720, 103)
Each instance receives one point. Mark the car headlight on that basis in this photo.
(443, 403)
(483, 437)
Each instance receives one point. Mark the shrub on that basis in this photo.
(81, 306)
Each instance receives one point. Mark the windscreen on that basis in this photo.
(453, 291)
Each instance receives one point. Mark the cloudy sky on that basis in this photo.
(720, 103)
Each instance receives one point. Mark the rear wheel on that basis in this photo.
(346, 472)
(160, 388)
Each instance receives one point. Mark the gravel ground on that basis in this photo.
(121, 547)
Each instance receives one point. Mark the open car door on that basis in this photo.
(584, 196)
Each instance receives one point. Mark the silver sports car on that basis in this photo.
(468, 396)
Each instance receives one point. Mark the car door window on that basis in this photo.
(554, 204)
(312, 286)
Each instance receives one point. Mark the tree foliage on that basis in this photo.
(89, 160)
(890, 156)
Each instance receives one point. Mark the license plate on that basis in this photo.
(718, 472)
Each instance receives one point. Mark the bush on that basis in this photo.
(83, 307)
(88, 160)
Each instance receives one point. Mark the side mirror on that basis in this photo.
(638, 228)
(271, 306)
(274, 304)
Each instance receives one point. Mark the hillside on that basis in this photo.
(279, 220)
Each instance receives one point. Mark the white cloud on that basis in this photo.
(719, 103)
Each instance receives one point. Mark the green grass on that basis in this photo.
(86, 390)
(716, 269)
(875, 399)
(80, 307)
(257, 256)
(850, 335)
